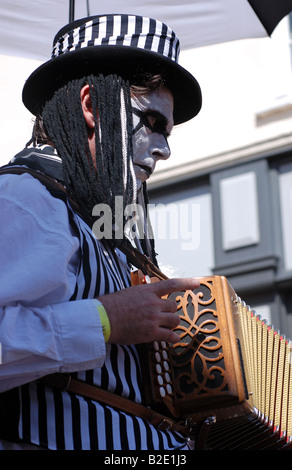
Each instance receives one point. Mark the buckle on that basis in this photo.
(165, 425)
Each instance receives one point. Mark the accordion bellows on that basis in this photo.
(230, 376)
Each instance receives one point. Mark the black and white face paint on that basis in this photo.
(152, 124)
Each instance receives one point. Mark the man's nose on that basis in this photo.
(159, 147)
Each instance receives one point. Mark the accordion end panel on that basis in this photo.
(204, 370)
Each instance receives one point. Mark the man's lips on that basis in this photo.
(147, 169)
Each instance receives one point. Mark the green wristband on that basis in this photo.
(105, 323)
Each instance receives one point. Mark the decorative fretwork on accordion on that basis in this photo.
(230, 376)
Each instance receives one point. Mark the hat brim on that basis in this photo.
(121, 60)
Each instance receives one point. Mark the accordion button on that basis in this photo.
(160, 380)
(165, 365)
(156, 346)
(164, 354)
(169, 389)
(162, 392)
(167, 377)
(163, 344)
(158, 369)
(157, 357)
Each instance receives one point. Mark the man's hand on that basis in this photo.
(138, 314)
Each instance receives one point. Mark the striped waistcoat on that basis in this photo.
(58, 420)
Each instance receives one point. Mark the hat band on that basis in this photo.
(121, 30)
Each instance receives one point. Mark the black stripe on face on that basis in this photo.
(145, 118)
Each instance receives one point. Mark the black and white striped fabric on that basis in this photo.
(120, 30)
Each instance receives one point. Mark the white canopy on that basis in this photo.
(27, 28)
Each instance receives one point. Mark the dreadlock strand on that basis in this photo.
(131, 177)
(109, 123)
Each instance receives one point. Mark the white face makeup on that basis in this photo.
(152, 124)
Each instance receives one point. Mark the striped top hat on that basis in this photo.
(125, 45)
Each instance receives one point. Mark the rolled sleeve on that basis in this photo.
(87, 336)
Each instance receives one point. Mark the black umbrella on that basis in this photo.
(271, 12)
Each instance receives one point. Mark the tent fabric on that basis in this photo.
(27, 28)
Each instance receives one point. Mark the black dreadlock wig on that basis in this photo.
(64, 125)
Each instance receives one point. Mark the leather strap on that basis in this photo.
(64, 382)
(140, 261)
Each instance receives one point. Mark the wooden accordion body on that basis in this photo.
(230, 376)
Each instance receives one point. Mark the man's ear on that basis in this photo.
(87, 106)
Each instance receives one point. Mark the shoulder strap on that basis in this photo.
(56, 188)
(64, 382)
(141, 262)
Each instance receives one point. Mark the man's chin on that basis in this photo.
(139, 185)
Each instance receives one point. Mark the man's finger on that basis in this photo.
(168, 305)
(169, 336)
(175, 285)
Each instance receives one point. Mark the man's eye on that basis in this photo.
(152, 120)
(155, 124)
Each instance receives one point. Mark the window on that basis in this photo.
(290, 36)
(183, 231)
(285, 186)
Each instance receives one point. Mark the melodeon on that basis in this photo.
(229, 377)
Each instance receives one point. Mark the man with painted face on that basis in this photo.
(105, 104)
